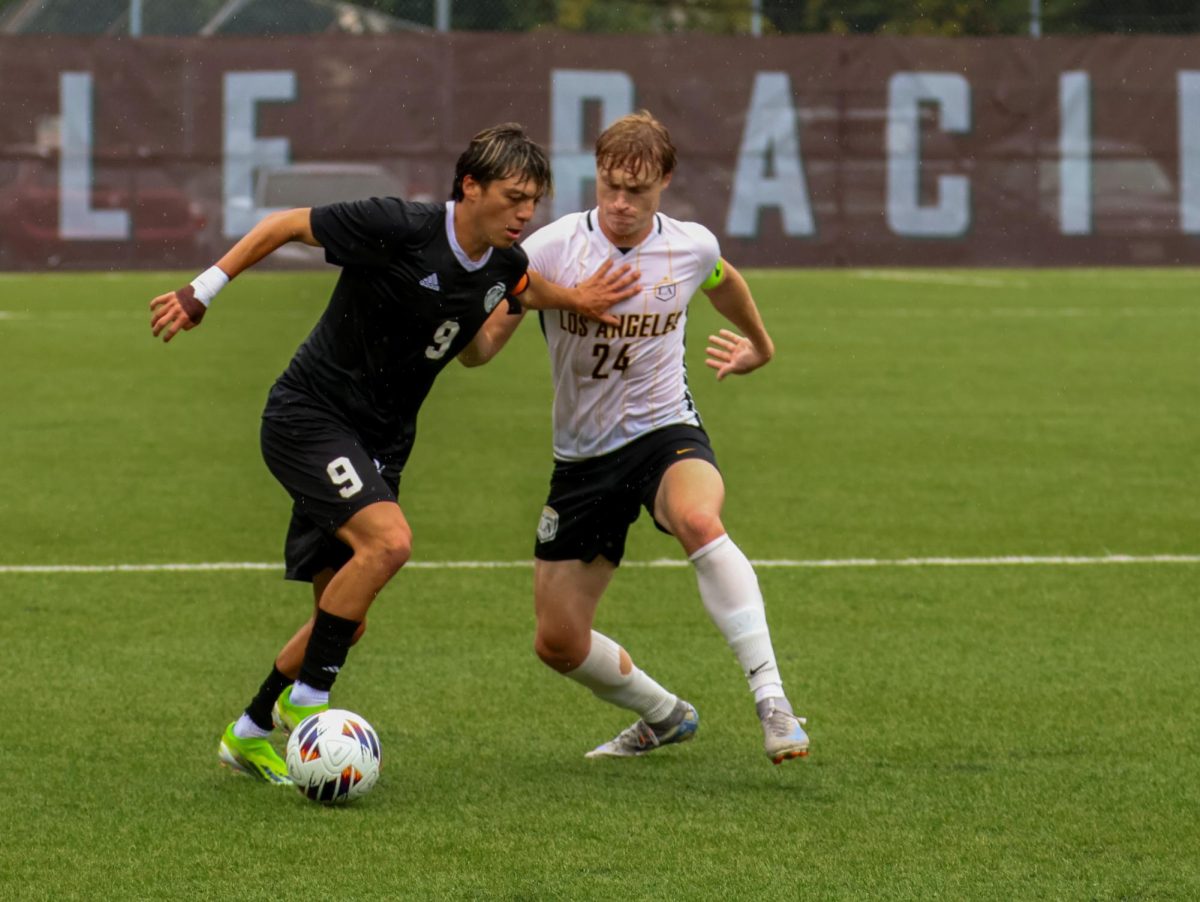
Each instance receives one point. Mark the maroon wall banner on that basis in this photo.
(796, 151)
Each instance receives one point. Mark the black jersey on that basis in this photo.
(407, 301)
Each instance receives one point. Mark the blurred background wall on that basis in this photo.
(148, 133)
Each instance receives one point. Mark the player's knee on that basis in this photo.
(548, 650)
(397, 548)
(358, 633)
(388, 551)
(560, 649)
(698, 527)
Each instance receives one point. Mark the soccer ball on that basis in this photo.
(333, 756)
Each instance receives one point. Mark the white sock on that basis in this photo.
(245, 728)
(769, 690)
(729, 590)
(601, 672)
(305, 696)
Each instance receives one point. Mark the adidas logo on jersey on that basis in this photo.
(430, 282)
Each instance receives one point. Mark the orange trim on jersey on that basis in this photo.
(521, 286)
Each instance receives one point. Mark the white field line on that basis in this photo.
(125, 315)
(938, 278)
(835, 563)
(940, 313)
(1018, 312)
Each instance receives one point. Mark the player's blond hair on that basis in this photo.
(637, 143)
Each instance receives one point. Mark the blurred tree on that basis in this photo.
(412, 10)
(981, 17)
(920, 17)
(473, 15)
(908, 17)
(1111, 16)
(502, 15)
(612, 16)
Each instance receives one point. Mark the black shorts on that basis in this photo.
(330, 476)
(593, 502)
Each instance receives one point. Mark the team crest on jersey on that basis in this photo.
(664, 291)
(493, 297)
(548, 525)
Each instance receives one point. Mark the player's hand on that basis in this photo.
(175, 311)
(732, 353)
(605, 287)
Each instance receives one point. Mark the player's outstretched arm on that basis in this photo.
(730, 352)
(592, 297)
(493, 336)
(183, 309)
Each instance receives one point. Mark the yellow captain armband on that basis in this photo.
(716, 277)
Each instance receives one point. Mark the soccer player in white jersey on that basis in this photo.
(627, 435)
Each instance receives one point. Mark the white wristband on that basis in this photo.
(208, 283)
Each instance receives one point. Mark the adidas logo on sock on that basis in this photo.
(430, 282)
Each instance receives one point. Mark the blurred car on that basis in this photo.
(315, 184)
(166, 225)
(1130, 191)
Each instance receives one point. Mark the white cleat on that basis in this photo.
(640, 738)
(783, 731)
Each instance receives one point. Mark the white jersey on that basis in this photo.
(613, 384)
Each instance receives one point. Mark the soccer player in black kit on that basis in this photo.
(418, 280)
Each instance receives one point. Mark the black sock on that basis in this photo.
(327, 649)
(259, 709)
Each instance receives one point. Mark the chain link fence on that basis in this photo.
(759, 17)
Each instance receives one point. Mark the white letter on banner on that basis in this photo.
(770, 143)
(906, 91)
(243, 152)
(1075, 153)
(76, 218)
(573, 164)
(1189, 151)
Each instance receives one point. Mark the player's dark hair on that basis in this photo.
(637, 143)
(501, 152)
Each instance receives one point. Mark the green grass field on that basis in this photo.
(979, 732)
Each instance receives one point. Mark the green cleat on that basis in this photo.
(252, 757)
(288, 716)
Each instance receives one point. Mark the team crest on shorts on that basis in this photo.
(664, 291)
(548, 525)
(493, 297)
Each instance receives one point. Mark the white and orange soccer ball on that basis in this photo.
(334, 756)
